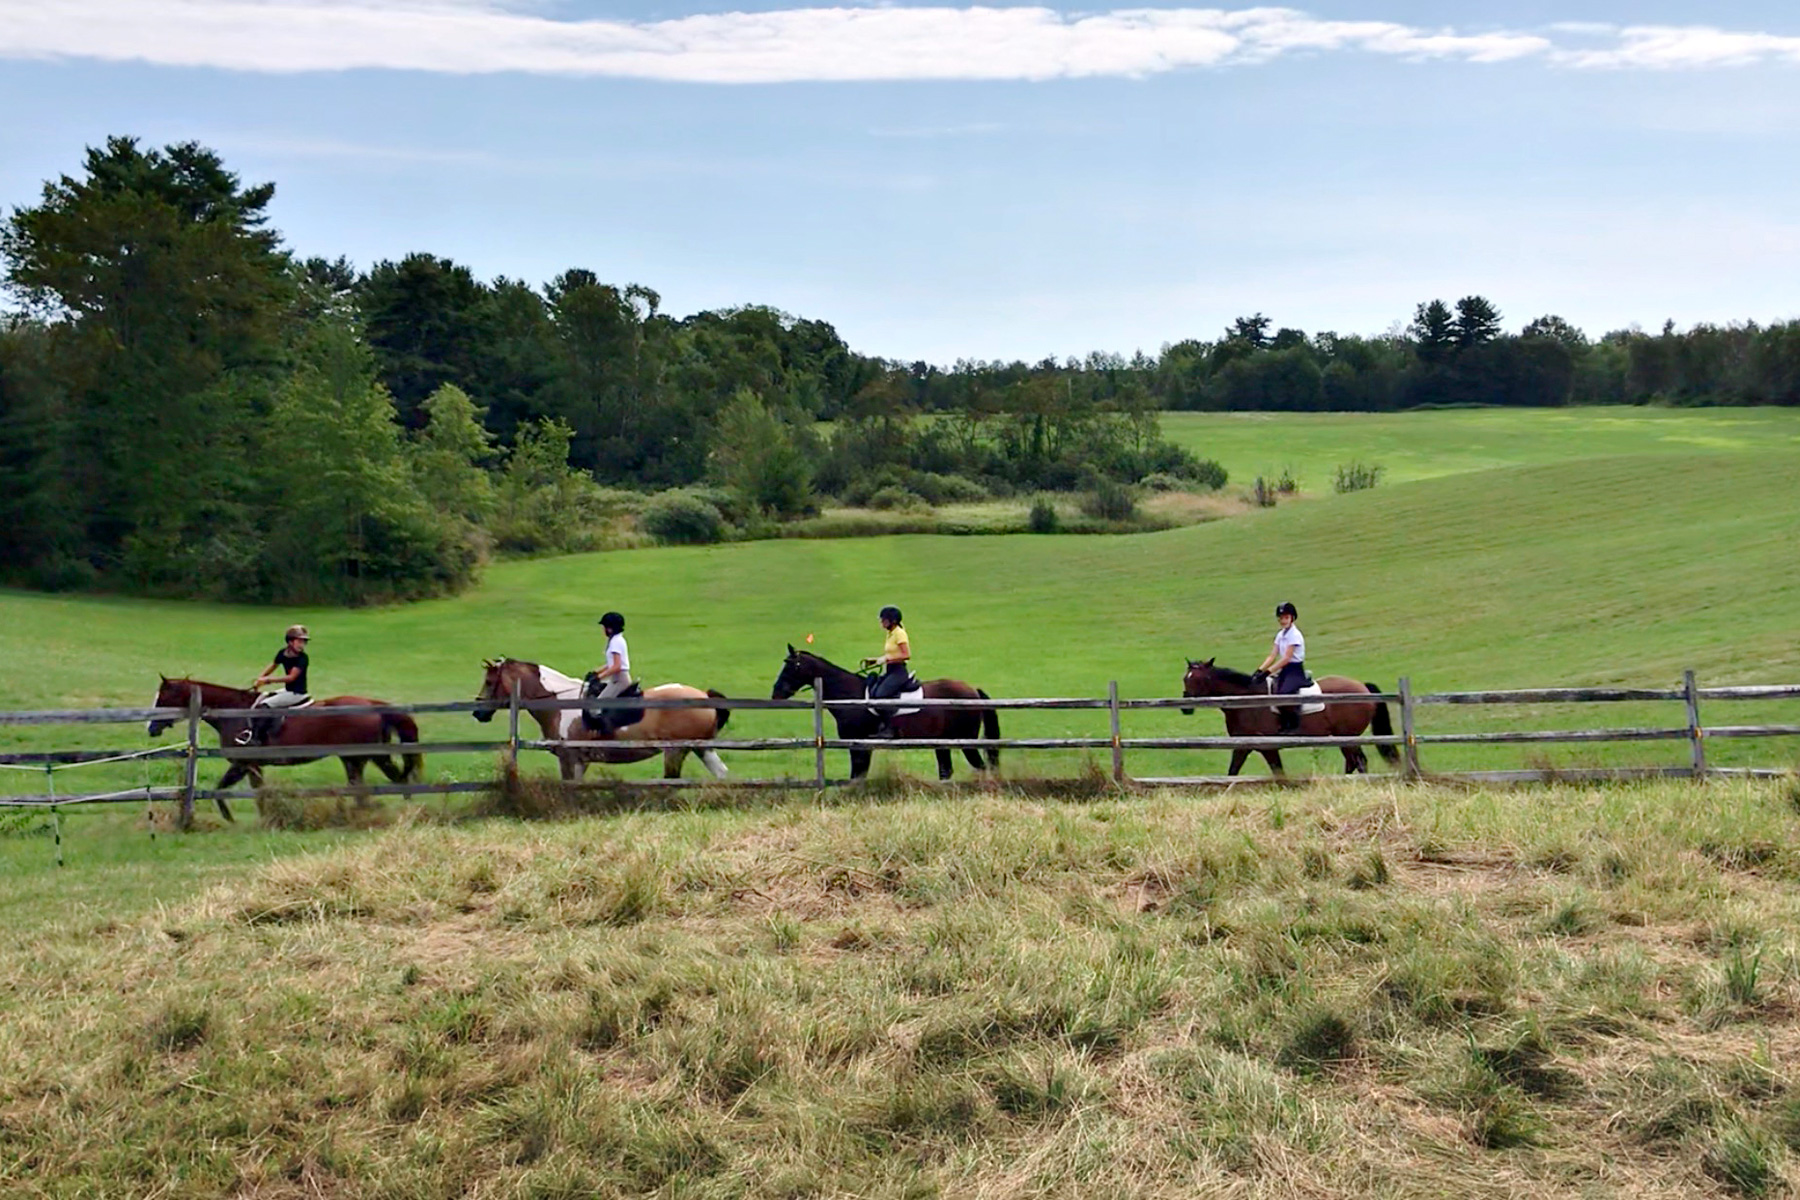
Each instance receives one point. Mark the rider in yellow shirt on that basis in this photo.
(896, 652)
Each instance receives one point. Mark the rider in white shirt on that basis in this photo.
(1286, 663)
(614, 674)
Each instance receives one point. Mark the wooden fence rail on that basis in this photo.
(1408, 739)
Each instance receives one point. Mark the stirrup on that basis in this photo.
(245, 736)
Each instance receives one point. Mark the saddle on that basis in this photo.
(913, 690)
(1309, 688)
(262, 730)
(603, 720)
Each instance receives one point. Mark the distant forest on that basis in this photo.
(187, 408)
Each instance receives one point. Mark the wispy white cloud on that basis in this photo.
(801, 44)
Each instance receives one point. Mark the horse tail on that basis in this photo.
(407, 730)
(1383, 726)
(724, 713)
(990, 728)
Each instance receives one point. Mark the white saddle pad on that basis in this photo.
(1312, 689)
(917, 693)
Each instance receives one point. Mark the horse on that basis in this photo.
(802, 667)
(538, 682)
(1338, 720)
(314, 725)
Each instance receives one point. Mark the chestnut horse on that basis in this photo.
(802, 667)
(538, 682)
(314, 725)
(1338, 720)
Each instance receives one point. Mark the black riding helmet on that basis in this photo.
(1288, 608)
(890, 613)
(613, 621)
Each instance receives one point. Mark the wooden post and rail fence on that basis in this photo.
(1408, 740)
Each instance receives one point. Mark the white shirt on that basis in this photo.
(1291, 636)
(616, 645)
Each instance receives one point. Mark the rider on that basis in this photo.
(288, 669)
(614, 674)
(895, 653)
(1286, 663)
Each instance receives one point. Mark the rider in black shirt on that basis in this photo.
(289, 668)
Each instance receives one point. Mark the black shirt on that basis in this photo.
(288, 662)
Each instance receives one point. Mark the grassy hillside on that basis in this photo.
(1429, 445)
(1615, 570)
(1378, 990)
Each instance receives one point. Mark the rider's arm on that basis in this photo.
(269, 673)
(614, 665)
(902, 652)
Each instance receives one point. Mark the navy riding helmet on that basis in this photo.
(1288, 608)
(613, 621)
(890, 613)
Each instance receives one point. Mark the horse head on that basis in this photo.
(496, 686)
(793, 677)
(170, 693)
(1197, 682)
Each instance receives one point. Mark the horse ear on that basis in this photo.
(1192, 664)
(1209, 662)
(791, 650)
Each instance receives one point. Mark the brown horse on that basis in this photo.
(538, 682)
(802, 667)
(1337, 720)
(314, 725)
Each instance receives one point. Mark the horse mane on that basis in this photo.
(1231, 676)
(808, 656)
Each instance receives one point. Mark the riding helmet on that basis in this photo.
(613, 620)
(890, 613)
(296, 631)
(1288, 608)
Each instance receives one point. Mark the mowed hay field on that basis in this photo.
(1352, 989)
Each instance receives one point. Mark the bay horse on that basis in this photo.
(1338, 720)
(538, 682)
(802, 667)
(314, 725)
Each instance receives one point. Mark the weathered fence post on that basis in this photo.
(1411, 748)
(819, 732)
(191, 768)
(1696, 733)
(512, 724)
(1118, 751)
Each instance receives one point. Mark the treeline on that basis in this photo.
(186, 408)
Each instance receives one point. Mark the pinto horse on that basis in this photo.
(314, 725)
(802, 667)
(1338, 720)
(537, 682)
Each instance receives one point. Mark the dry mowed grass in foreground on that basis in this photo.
(1366, 989)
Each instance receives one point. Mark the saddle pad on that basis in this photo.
(915, 694)
(1312, 689)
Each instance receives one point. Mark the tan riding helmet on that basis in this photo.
(296, 631)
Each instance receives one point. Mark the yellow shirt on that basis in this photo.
(896, 638)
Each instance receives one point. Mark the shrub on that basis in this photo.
(1110, 501)
(894, 496)
(1286, 483)
(1262, 493)
(1159, 482)
(1042, 518)
(945, 489)
(1356, 476)
(683, 520)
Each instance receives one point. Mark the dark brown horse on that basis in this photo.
(315, 725)
(1337, 720)
(803, 667)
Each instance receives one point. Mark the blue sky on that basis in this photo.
(944, 182)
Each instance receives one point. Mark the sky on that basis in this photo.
(1006, 182)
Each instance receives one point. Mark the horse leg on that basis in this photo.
(946, 766)
(859, 764)
(672, 760)
(714, 763)
(1274, 759)
(1237, 761)
(353, 773)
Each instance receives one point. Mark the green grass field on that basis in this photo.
(1415, 446)
(1602, 570)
